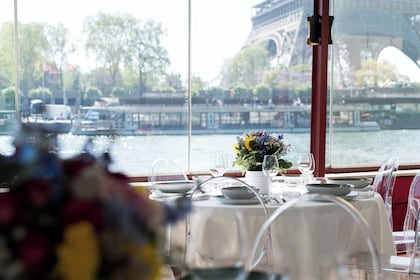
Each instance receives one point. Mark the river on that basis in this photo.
(135, 154)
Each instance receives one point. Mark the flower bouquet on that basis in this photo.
(251, 147)
(74, 218)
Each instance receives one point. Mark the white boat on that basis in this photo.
(53, 118)
(98, 121)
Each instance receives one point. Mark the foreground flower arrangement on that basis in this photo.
(75, 219)
(251, 147)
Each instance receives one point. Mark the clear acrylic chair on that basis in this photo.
(166, 170)
(206, 186)
(384, 181)
(404, 240)
(316, 251)
(161, 171)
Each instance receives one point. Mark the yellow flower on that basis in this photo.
(247, 142)
(236, 148)
(78, 256)
(144, 263)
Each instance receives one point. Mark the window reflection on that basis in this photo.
(375, 81)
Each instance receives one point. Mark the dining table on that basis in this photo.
(331, 229)
(312, 215)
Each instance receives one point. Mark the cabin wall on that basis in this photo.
(399, 200)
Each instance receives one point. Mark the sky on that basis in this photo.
(220, 27)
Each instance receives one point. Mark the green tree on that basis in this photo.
(375, 74)
(247, 67)
(42, 93)
(59, 49)
(241, 91)
(9, 96)
(146, 54)
(90, 95)
(30, 53)
(197, 85)
(108, 39)
(7, 55)
(118, 92)
(262, 92)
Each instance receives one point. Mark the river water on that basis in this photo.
(135, 154)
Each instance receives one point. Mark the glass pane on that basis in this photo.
(118, 72)
(7, 91)
(375, 81)
(251, 71)
(110, 69)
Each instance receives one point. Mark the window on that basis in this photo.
(181, 79)
(375, 82)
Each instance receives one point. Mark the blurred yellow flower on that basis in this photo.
(78, 255)
(145, 262)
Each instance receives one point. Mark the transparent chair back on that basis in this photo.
(206, 186)
(305, 250)
(384, 183)
(166, 171)
(162, 171)
(415, 256)
(405, 240)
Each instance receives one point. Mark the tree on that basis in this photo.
(7, 55)
(42, 93)
(30, 53)
(197, 85)
(374, 74)
(263, 92)
(9, 96)
(59, 49)
(241, 92)
(90, 95)
(247, 67)
(146, 54)
(108, 38)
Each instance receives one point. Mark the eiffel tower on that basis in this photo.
(281, 26)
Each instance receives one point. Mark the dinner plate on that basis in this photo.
(181, 186)
(332, 189)
(357, 182)
(225, 200)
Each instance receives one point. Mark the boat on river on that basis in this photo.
(173, 120)
(97, 121)
(52, 118)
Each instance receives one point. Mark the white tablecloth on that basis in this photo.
(319, 217)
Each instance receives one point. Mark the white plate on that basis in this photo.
(357, 182)
(333, 189)
(174, 186)
(225, 200)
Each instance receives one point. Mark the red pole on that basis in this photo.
(319, 90)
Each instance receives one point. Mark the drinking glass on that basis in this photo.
(218, 165)
(270, 167)
(217, 246)
(306, 165)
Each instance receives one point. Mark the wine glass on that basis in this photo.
(270, 166)
(218, 165)
(217, 246)
(306, 165)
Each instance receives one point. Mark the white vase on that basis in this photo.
(258, 179)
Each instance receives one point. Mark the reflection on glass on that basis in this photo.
(217, 247)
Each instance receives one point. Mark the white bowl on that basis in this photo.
(332, 189)
(238, 192)
(357, 182)
(180, 186)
